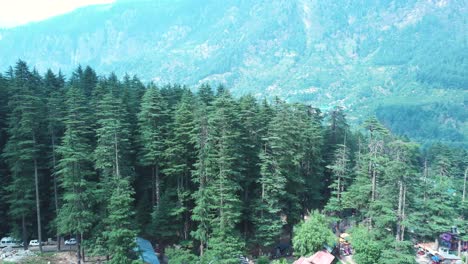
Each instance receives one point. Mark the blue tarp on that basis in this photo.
(146, 251)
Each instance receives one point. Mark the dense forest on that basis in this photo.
(209, 177)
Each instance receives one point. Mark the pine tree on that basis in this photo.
(335, 132)
(88, 81)
(22, 148)
(435, 214)
(250, 145)
(311, 163)
(202, 214)
(115, 175)
(272, 182)
(205, 94)
(289, 149)
(4, 99)
(224, 172)
(217, 174)
(120, 233)
(180, 156)
(74, 168)
(341, 176)
(152, 125)
(55, 104)
(112, 140)
(399, 173)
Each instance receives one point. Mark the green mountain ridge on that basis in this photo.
(404, 61)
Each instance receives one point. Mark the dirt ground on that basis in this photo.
(53, 258)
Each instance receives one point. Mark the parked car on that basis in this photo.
(34, 243)
(70, 242)
(9, 242)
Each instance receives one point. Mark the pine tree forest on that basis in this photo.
(208, 177)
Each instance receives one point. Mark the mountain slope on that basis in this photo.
(390, 57)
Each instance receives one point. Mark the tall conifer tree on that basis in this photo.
(75, 169)
(23, 147)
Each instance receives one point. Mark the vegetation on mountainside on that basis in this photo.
(403, 61)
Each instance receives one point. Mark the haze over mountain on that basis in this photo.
(405, 61)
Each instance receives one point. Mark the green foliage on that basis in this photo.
(227, 176)
(120, 233)
(22, 149)
(312, 235)
(218, 205)
(151, 120)
(341, 178)
(180, 157)
(280, 261)
(162, 226)
(421, 122)
(76, 215)
(224, 247)
(263, 260)
(180, 256)
(367, 250)
(398, 252)
(268, 207)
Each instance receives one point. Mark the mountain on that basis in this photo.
(404, 61)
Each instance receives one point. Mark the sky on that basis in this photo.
(17, 12)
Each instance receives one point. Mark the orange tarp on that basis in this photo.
(321, 257)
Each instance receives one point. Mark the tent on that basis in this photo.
(146, 252)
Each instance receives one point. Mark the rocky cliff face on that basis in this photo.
(363, 54)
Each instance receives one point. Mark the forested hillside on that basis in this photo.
(403, 61)
(106, 158)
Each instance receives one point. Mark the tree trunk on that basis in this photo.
(338, 193)
(153, 189)
(374, 183)
(25, 233)
(400, 203)
(185, 215)
(403, 216)
(55, 188)
(116, 149)
(38, 206)
(464, 187)
(374, 178)
(82, 248)
(246, 198)
(425, 179)
(78, 250)
(463, 200)
(158, 186)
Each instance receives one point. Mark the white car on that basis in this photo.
(9, 242)
(34, 243)
(70, 242)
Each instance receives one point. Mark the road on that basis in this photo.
(53, 248)
(347, 259)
